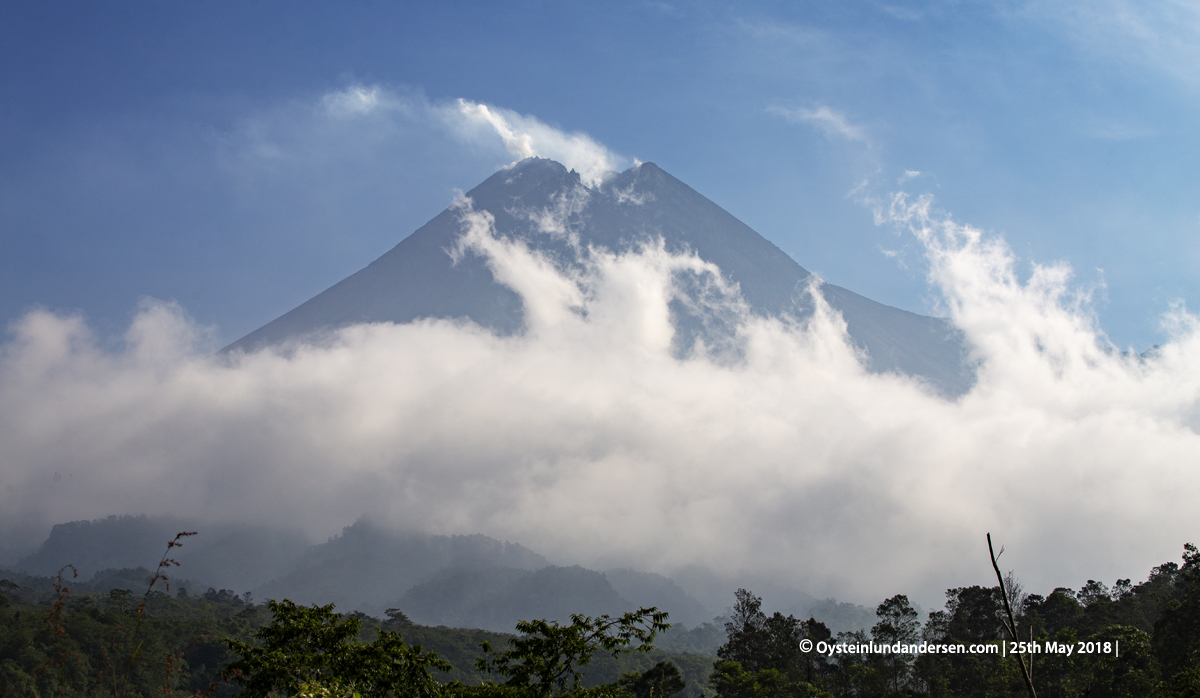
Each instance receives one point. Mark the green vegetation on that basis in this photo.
(57, 643)
(56, 640)
(63, 644)
(1155, 626)
(314, 650)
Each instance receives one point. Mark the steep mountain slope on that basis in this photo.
(461, 581)
(649, 589)
(496, 599)
(417, 278)
(235, 556)
(368, 568)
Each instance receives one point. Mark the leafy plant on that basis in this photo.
(662, 680)
(315, 647)
(546, 659)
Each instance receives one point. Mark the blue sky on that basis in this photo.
(178, 150)
(234, 159)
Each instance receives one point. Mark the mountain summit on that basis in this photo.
(418, 278)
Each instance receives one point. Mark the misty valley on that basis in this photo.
(474, 616)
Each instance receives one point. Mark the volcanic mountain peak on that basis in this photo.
(547, 206)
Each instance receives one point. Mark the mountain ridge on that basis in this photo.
(461, 580)
(418, 278)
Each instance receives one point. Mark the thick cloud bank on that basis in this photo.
(585, 439)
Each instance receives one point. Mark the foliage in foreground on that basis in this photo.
(315, 651)
(174, 646)
(69, 643)
(83, 645)
(1156, 625)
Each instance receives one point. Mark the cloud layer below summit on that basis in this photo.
(584, 438)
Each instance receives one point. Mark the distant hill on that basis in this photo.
(648, 589)
(471, 581)
(417, 278)
(368, 568)
(234, 556)
(496, 599)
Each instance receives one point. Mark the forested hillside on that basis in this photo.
(97, 638)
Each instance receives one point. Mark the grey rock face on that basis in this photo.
(419, 279)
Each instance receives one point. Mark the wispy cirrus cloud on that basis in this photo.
(1163, 36)
(828, 120)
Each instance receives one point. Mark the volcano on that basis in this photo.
(419, 277)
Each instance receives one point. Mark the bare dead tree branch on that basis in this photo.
(1009, 623)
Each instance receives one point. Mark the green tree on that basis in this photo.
(314, 646)
(546, 659)
(856, 674)
(898, 625)
(757, 641)
(731, 680)
(659, 681)
(762, 656)
(746, 632)
(1176, 641)
(971, 616)
(816, 664)
(1132, 673)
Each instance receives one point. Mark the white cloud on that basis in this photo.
(364, 116)
(586, 439)
(353, 100)
(828, 120)
(525, 137)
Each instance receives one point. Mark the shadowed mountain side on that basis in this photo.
(495, 599)
(644, 589)
(235, 556)
(417, 278)
(113, 542)
(470, 581)
(367, 568)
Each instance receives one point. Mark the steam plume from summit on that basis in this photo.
(526, 137)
